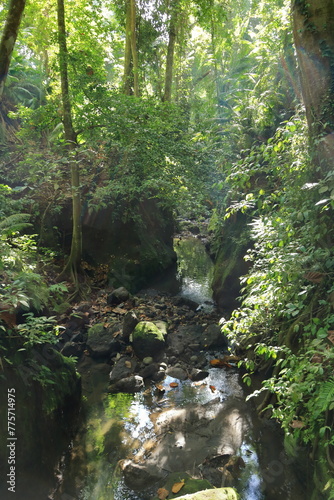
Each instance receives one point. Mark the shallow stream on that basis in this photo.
(117, 426)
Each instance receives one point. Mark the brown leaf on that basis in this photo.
(173, 384)
(177, 486)
(297, 424)
(118, 310)
(217, 363)
(160, 387)
(314, 277)
(331, 336)
(162, 493)
(212, 387)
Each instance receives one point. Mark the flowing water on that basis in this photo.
(118, 425)
(193, 275)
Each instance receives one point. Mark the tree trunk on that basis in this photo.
(8, 39)
(170, 51)
(127, 85)
(313, 27)
(73, 263)
(131, 67)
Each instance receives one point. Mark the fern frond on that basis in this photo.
(325, 398)
(13, 223)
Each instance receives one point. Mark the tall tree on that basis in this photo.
(313, 27)
(172, 32)
(9, 36)
(70, 137)
(131, 77)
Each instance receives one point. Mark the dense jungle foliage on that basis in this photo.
(207, 107)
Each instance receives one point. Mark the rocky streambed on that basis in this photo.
(164, 408)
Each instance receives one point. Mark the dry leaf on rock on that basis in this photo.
(173, 384)
(177, 486)
(162, 493)
(118, 310)
(212, 387)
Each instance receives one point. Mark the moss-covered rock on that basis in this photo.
(46, 393)
(148, 339)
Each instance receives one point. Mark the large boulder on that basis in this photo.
(213, 494)
(101, 341)
(148, 339)
(124, 244)
(118, 296)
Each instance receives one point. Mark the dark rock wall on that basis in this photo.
(135, 247)
(234, 241)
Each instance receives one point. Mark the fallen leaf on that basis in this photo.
(297, 424)
(128, 364)
(118, 310)
(160, 387)
(217, 362)
(173, 384)
(314, 277)
(212, 387)
(177, 486)
(162, 493)
(331, 336)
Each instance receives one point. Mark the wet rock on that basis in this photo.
(147, 339)
(139, 477)
(131, 384)
(149, 371)
(101, 341)
(123, 368)
(213, 337)
(177, 372)
(206, 307)
(196, 375)
(118, 296)
(208, 430)
(130, 321)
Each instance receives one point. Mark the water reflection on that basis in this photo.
(193, 275)
(123, 425)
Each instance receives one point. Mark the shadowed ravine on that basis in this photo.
(128, 443)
